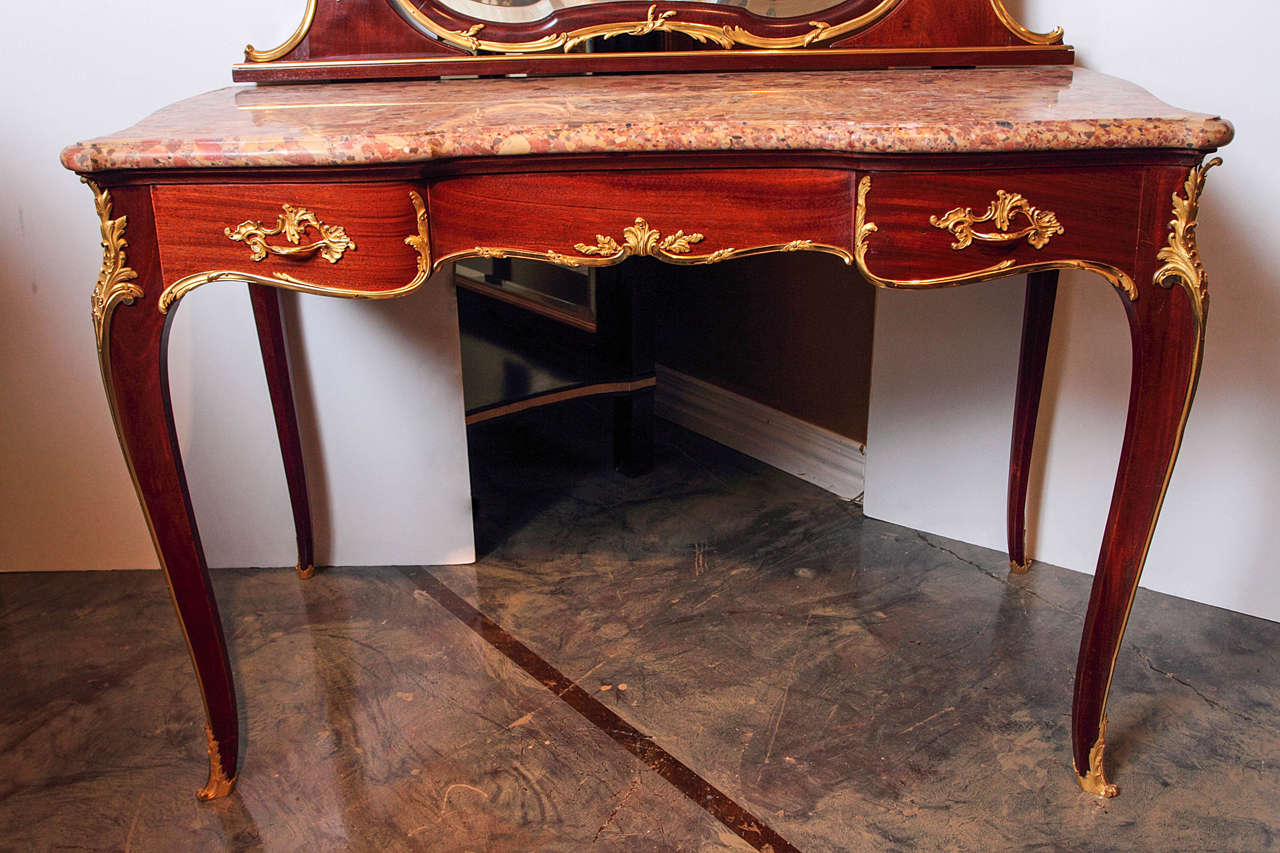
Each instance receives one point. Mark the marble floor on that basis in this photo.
(714, 656)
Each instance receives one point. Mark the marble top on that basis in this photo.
(906, 111)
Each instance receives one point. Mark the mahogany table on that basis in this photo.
(920, 178)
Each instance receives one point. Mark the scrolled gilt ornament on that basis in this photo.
(293, 223)
(643, 240)
(1094, 780)
(725, 37)
(252, 54)
(218, 785)
(1182, 256)
(115, 278)
(1030, 37)
(864, 228)
(960, 222)
(420, 242)
(654, 22)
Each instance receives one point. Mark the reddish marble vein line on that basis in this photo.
(750, 828)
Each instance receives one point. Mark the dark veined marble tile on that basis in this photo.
(375, 722)
(852, 684)
(863, 685)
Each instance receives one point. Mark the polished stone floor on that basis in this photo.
(714, 656)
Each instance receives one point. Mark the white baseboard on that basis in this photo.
(814, 454)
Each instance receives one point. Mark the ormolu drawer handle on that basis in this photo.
(293, 223)
(1044, 223)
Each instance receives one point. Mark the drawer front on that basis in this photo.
(679, 216)
(929, 228)
(338, 239)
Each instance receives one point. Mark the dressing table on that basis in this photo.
(928, 143)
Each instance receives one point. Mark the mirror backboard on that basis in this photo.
(355, 39)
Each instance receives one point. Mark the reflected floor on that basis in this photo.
(711, 657)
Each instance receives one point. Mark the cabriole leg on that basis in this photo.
(1037, 322)
(275, 361)
(1166, 324)
(132, 344)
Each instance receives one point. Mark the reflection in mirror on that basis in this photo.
(526, 11)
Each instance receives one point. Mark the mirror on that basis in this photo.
(528, 11)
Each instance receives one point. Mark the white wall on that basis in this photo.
(941, 412)
(379, 386)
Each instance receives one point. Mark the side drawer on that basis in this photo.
(336, 239)
(918, 228)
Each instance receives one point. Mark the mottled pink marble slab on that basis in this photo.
(896, 111)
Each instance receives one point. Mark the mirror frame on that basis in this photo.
(355, 39)
(726, 27)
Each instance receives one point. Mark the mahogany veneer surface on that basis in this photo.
(190, 225)
(1098, 208)
(537, 211)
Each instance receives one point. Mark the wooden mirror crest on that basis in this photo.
(365, 39)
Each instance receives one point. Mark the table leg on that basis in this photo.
(1166, 323)
(275, 361)
(633, 427)
(1037, 322)
(132, 350)
(625, 315)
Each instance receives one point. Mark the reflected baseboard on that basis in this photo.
(816, 455)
